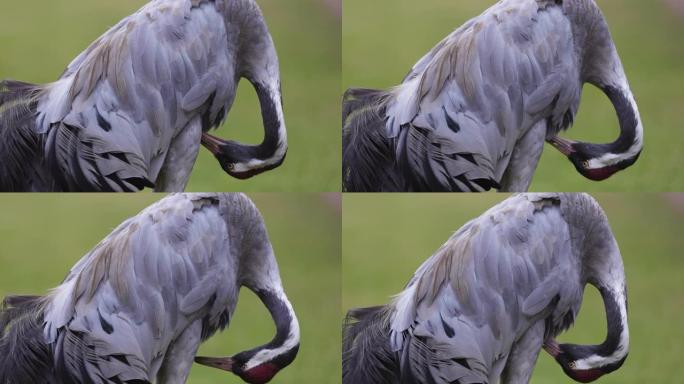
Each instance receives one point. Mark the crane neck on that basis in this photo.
(602, 67)
(257, 61)
(609, 355)
(603, 269)
(601, 266)
(260, 274)
(283, 348)
(608, 276)
(263, 72)
(625, 150)
(616, 344)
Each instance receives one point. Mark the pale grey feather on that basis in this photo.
(488, 299)
(471, 108)
(138, 305)
(457, 118)
(113, 119)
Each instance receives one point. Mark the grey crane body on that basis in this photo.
(474, 113)
(497, 292)
(136, 308)
(132, 110)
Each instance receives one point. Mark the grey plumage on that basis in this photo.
(137, 306)
(474, 113)
(501, 288)
(132, 109)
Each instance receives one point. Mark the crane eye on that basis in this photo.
(585, 164)
(572, 365)
(231, 166)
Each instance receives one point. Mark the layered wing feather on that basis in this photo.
(125, 302)
(462, 108)
(110, 118)
(491, 281)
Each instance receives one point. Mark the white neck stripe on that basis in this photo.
(636, 147)
(291, 342)
(622, 349)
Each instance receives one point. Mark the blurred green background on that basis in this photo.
(42, 236)
(386, 238)
(383, 39)
(39, 38)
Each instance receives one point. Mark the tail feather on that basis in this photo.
(367, 154)
(357, 98)
(366, 354)
(20, 148)
(26, 358)
(12, 90)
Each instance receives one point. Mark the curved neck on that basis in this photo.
(604, 270)
(630, 142)
(615, 304)
(260, 274)
(272, 149)
(631, 131)
(602, 67)
(610, 354)
(258, 63)
(271, 152)
(601, 266)
(282, 350)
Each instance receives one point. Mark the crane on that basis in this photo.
(137, 306)
(500, 290)
(474, 113)
(133, 109)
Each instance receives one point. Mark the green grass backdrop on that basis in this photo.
(386, 238)
(43, 236)
(39, 38)
(383, 39)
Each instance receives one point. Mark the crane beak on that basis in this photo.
(565, 146)
(223, 363)
(552, 348)
(212, 143)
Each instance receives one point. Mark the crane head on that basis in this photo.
(241, 161)
(594, 161)
(259, 365)
(586, 363)
(245, 161)
(582, 363)
(248, 366)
